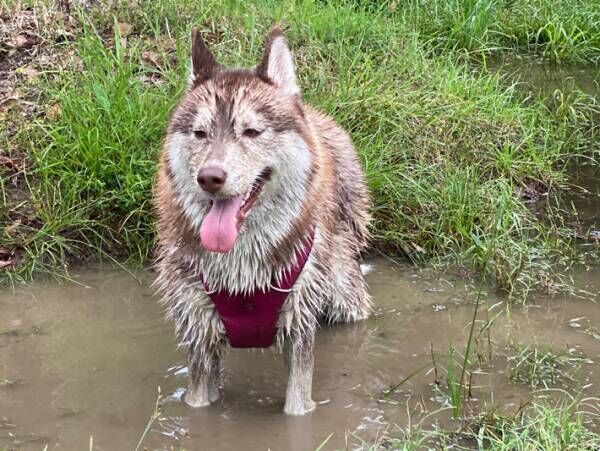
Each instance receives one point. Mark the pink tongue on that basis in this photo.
(219, 228)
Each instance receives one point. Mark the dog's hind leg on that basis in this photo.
(203, 377)
(299, 360)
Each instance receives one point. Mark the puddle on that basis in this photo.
(584, 199)
(81, 361)
(540, 78)
(543, 77)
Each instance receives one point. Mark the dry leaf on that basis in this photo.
(53, 112)
(151, 58)
(6, 258)
(24, 40)
(8, 162)
(8, 103)
(125, 28)
(29, 71)
(11, 229)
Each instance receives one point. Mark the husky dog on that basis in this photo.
(262, 210)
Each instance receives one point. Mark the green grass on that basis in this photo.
(444, 148)
(564, 426)
(561, 425)
(563, 30)
(543, 366)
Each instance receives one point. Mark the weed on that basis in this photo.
(542, 426)
(539, 367)
(564, 30)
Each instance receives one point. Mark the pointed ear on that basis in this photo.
(277, 65)
(204, 64)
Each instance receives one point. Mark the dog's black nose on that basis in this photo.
(211, 178)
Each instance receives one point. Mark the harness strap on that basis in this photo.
(250, 319)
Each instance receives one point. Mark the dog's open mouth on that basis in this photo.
(221, 225)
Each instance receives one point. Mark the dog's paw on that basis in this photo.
(195, 400)
(299, 408)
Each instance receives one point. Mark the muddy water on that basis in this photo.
(83, 362)
(543, 77)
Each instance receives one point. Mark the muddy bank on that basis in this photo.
(86, 360)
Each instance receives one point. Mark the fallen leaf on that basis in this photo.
(29, 71)
(64, 35)
(54, 112)
(8, 162)
(6, 258)
(11, 229)
(125, 28)
(151, 58)
(8, 103)
(24, 40)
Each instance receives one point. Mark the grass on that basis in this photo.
(543, 367)
(444, 148)
(563, 30)
(563, 425)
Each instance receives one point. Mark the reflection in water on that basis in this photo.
(86, 360)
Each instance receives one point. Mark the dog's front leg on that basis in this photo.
(203, 377)
(299, 360)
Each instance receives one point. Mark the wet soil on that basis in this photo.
(84, 361)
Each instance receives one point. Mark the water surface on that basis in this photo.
(84, 361)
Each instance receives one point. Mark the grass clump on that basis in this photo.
(565, 425)
(93, 162)
(564, 30)
(539, 367)
(444, 149)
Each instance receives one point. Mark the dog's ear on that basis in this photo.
(277, 65)
(204, 64)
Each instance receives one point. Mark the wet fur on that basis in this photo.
(317, 182)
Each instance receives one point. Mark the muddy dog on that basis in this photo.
(262, 216)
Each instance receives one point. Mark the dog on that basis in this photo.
(263, 215)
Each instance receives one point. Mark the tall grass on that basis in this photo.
(564, 30)
(444, 148)
(563, 425)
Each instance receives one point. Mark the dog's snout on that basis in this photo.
(212, 179)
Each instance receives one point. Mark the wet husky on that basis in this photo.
(254, 185)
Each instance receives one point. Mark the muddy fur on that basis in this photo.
(316, 183)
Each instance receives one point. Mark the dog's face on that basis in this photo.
(237, 144)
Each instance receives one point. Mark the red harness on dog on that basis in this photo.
(250, 319)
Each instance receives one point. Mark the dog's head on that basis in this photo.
(238, 145)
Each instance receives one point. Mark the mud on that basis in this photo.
(83, 363)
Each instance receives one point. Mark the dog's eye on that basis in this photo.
(200, 134)
(251, 133)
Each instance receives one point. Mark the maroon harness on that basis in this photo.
(250, 319)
